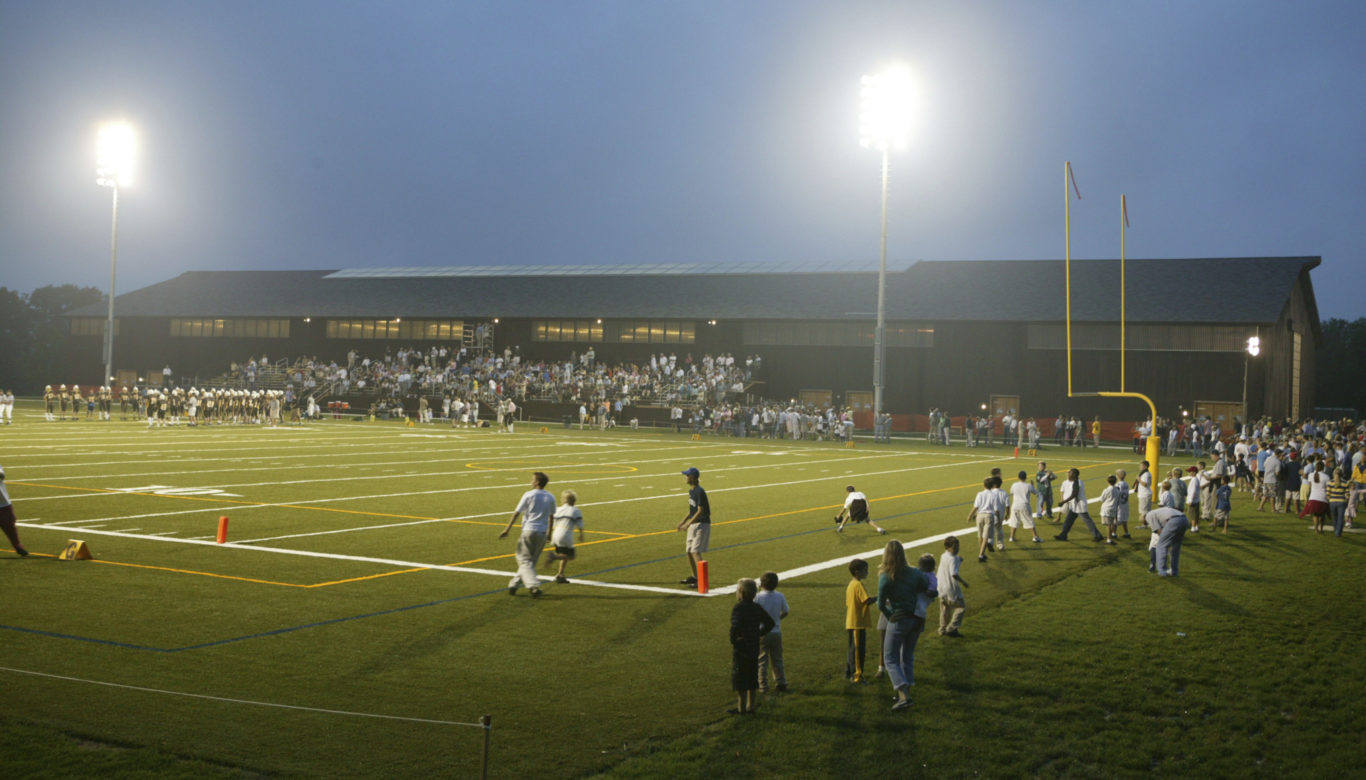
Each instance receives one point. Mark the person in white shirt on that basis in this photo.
(855, 511)
(1109, 509)
(997, 533)
(567, 518)
(1074, 503)
(771, 644)
(983, 513)
(1020, 514)
(535, 508)
(1145, 489)
(1169, 527)
(1122, 494)
(950, 586)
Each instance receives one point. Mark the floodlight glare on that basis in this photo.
(886, 109)
(1254, 346)
(116, 146)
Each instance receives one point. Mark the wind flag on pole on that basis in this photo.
(1124, 206)
(1073, 177)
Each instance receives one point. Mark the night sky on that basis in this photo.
(296, 135)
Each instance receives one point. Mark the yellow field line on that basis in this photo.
(367, 513)
(618, 538)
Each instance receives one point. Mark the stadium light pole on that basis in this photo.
(115, 146)
(885, 107)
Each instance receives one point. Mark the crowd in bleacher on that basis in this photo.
(489, 375)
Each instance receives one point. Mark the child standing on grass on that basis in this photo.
(771, 645)
(1223, 503)
(748, 624)
(951, 605)
(857, 619)
(1109, 509)
(1020, 514)
(567, 518)
(923, 600)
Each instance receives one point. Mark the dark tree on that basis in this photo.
(1340, 365)
(35, 335)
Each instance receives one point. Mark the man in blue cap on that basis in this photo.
(697, 524)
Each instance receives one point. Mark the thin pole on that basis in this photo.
(113, 267)
(1122, 228)
(487, 722)
(1067, 224)
(879, 336)
(1246, 355)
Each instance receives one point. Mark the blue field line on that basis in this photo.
(381, 613)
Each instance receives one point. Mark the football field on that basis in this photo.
(357, 621)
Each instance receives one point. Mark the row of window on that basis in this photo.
(1148, 338)
(616, 331)
(91, 326)
(788, 333)
(429, 330)
(231, 328)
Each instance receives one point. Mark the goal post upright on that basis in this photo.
(1153, 449)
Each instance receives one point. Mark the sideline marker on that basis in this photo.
(544, 429)
(701, 576)
(75, 550)
(222, 529)
(1017, 452)
(849, 445)
(697, 437)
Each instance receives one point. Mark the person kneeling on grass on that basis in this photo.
(567, 518)
(855, 511)
(748, 622)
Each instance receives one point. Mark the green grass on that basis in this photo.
(1073, 664)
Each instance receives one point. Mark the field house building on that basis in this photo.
(960, 334)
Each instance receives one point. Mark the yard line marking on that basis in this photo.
(301, 504)
(467, 518)
(844, 560)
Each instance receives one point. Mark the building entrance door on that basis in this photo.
(859, 400)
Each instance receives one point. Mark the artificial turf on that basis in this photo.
(1076, 661)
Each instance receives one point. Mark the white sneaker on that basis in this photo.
(882, 530)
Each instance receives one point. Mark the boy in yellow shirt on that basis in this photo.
(857, 619)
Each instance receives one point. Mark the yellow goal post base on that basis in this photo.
(1154, 446)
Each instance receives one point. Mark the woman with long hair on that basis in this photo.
(897, 588)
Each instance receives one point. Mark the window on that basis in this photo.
(618, 331)
(408, 330)
(91, 326)
(230, 328)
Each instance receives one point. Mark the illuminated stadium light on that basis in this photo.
(115, 152)
(887, 103)
(1254, 346)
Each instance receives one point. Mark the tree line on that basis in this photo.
(34, 335)
(1340, 366)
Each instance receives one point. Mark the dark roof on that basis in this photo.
(1242, 290)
